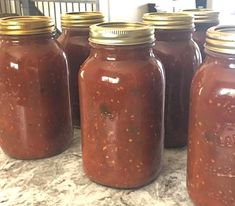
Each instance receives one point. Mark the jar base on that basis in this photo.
(35, 157)
(136, 186)
(203, 200)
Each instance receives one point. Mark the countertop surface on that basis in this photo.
(60, 180)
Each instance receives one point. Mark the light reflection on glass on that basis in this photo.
(200, 91)
(111, 58)
(228, 92)
(14, 66)
(232, 66)
(82, 73)
(110, 79)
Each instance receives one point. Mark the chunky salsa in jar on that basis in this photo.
(180, 57)
(35, 117)
(211, 150)
(122, 101)
(203, 20)
(74, 39)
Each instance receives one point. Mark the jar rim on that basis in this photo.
(169, 20)
(26, 25)
(221, 39)
(203, 15)
(121, 33)
(81, 19)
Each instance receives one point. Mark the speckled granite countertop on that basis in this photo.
(60, 181)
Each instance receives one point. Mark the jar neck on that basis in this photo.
(127, 52)
(75, 32)
(219, 56)
(204, 26)
(173, 35)
(27, 38)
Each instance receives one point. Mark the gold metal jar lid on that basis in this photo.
(121, 33)
(204, 15)
(81, 19)
(26, 25)
(221, 39)
(165, 20)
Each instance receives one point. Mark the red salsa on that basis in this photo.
(122, 99)
(35, 117)
(211, 149)
(180, 57)
(74, 40)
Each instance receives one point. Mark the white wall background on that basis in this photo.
(226, 8)
(171, 5)
(133, 10)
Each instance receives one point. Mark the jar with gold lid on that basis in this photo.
(74, 40)
(180, 57)
(122, 89)
(35, 111)
(211, 149)
(203, 20)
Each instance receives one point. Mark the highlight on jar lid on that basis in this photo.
(81, 19)
(166, 20)
(221, 39)
(204, 15)
(121, 33)
(26, 25)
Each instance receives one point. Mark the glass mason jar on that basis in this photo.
(35, 116)
(122, 101)
(180, 57)
(74, 40)
(211, 150)
(203, 20)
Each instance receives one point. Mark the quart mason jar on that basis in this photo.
(211, 149)
(180, 56)
(35, 116)
(203, 20)
(122, 101)
(74, 39)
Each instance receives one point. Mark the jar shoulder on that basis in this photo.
(76, 41)
(215, 79)
(213, 96)
(31, 51)
(181, 45)
(178, 54)
(178, 49)
(121, 67)
(125, 74)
